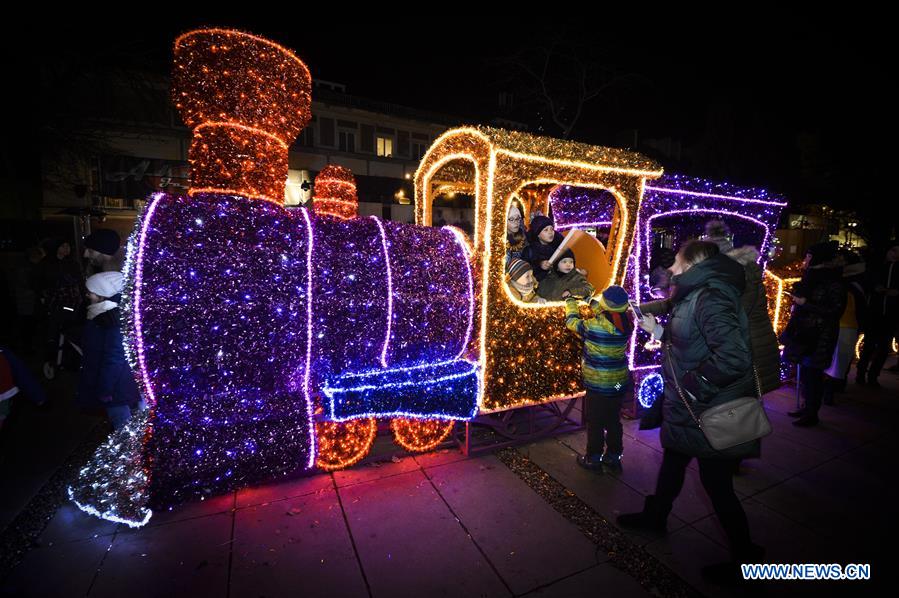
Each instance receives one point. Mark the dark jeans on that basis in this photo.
(811, 381)
(717, 479)
(878, 341)
(603, 423)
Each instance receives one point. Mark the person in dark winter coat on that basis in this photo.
(60, 292)
(882, 320)
(707, 347)
(106, 379)
(543, 240)
(813, 330)
(762, 339)
(851, 324)
(15, 378)
(565, 281)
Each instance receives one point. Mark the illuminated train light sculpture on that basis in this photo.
(268, 341)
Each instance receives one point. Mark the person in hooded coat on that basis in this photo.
(812, 333)
(708, 356)
(565, 281)
(543, 240)
(106, 379)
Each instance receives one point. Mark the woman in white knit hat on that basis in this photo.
(106, 379)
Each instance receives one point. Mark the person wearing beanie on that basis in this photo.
(103, 251)
(516, 237)
(605, 373)
(106, 379)
(565, 281)
(520, 281)
(813, 331)
(882, 318)
(543, 240)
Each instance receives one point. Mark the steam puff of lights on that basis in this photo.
(114, 485)
(245, 99)
(526, 354)
(335, 193)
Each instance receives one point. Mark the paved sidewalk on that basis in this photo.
(441, 525)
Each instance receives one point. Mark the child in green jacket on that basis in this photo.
(607, 378)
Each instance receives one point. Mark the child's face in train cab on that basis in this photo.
(547, 235)
(566, 265)
(93, 297)
(527, 279)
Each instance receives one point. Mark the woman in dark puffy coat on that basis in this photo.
(814, 327)
(708, 355)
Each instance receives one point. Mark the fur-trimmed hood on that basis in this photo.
(744, 255)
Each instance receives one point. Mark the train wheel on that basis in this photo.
(341, 444)
(420, 435)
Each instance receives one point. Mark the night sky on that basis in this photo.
(799, 109)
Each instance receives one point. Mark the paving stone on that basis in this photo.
(410, 544)
(686, 551)
(439, 457)
(298, 546)
(71, 523)
(274, 491)
(221, 503)
(64, 569)
(506, 519)
(602, 580)
(185, 558)
(367, 472)
(607, 495)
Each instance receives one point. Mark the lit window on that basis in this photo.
(385, 147)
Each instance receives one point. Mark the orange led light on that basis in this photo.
(420, 435)
(335, 193)
(342, 444)
(246, 99)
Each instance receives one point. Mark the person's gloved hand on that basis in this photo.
(648, 323)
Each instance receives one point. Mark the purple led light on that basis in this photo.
(389, 289)
(138, 285)
(460, 241)
(306, 374)
(714, 196)
(703, 211)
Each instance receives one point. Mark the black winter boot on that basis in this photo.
(653, 517)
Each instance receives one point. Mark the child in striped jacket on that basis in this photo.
(607, 378)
